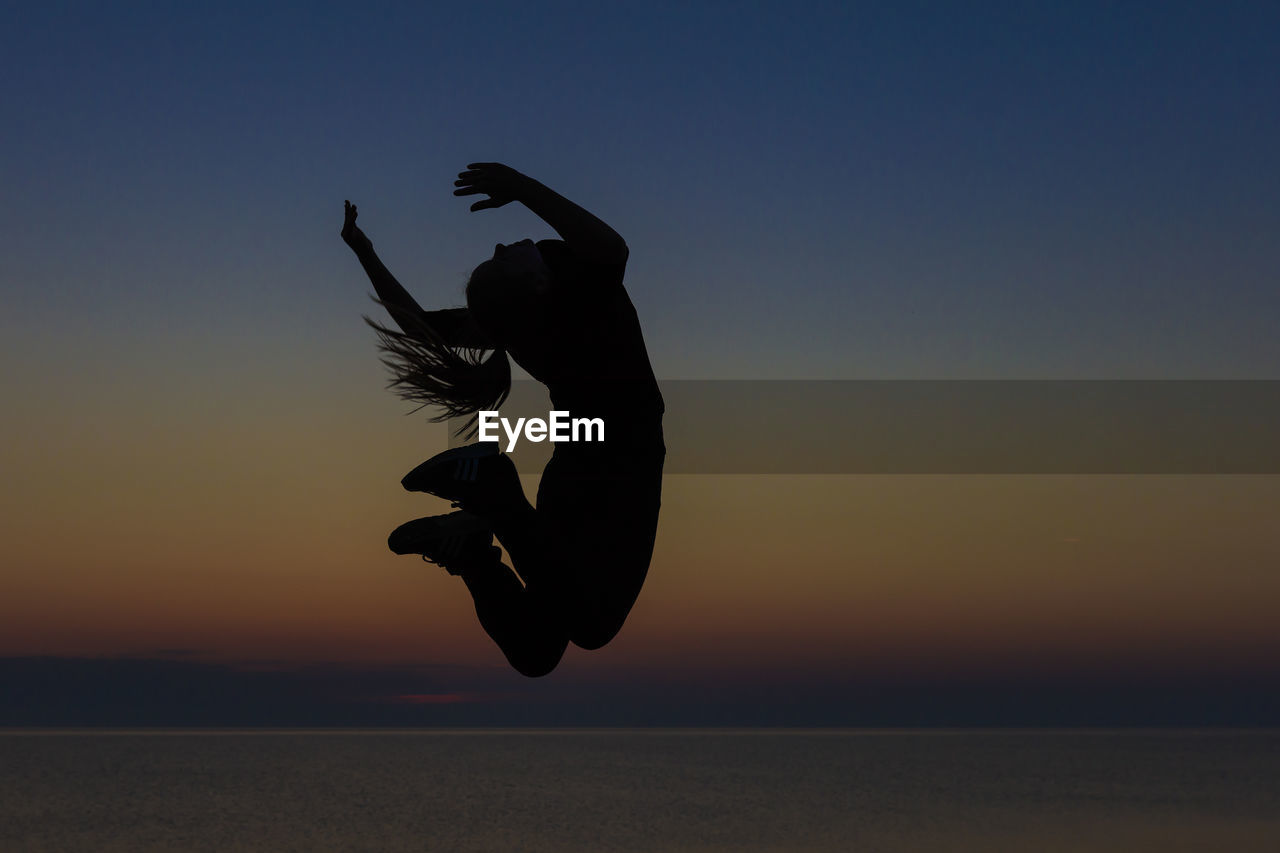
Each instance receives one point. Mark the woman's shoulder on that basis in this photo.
(585, 276)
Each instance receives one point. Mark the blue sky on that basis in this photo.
(857, 191)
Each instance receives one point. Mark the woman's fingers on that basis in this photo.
(487, 178)
(492, 171)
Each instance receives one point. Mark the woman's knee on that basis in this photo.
(595, 633)
(598, 618)
(534, 660)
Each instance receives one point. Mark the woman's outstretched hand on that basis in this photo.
(502, 184)
(351, 233)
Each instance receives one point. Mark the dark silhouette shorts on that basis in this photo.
(598, 505)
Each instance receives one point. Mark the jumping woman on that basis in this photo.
(558, 308)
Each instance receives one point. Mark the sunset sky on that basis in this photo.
(201, 462)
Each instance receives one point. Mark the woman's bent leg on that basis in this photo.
(527, 627)
(583, 555)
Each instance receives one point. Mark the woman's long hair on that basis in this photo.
(428, 371)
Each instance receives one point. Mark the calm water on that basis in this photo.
(640, 791)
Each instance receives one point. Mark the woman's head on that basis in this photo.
(507, 294)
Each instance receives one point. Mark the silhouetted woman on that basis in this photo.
(559, 309)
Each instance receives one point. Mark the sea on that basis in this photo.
(683, 791)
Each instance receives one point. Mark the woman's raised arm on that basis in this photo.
(589, 237)
(402, 307)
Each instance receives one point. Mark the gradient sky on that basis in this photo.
(199, 454)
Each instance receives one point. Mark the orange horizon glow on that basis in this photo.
(241, 547)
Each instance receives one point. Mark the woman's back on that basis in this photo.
(591, 353)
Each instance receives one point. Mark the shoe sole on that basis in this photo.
(409, 537)
(465, 460)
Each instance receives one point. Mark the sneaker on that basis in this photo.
(477, 477)
(455, 541)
